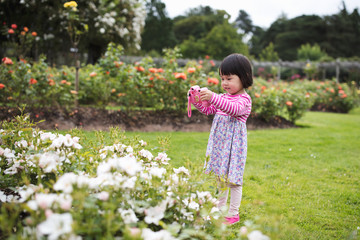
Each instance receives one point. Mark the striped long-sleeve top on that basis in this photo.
(238, 106)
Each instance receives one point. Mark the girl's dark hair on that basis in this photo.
(237, 64)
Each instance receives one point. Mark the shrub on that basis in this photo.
(146, 85)
(60, 189)
(51, 186)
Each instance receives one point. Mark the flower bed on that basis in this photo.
(144, 85)
(51, 185)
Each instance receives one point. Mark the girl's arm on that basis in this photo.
(205, 110)
(236, 108)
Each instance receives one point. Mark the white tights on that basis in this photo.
(235, 197)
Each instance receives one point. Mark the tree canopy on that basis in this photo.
(142, 26)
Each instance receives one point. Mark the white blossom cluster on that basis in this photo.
(127, 169)
(55, 150)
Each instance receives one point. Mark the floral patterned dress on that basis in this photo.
(227, 149)
(227, 145)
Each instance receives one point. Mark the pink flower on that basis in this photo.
(7, 61)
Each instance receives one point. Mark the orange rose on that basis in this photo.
(257, 95)
(180, 75)
(34, 34)
(11, 31)
(289, 103)
(191, 70)
(152, 70)
(32, 81)
(26, 29)
(214, 81)
(140, 68)
(51, 82)
(118, 64)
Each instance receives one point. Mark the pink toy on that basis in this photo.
(194, 97)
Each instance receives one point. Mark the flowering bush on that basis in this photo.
(292, 99)
(331, 96)
(61, 190)
(21, 39)
(35, 85)
(145, 85)
(51, 186)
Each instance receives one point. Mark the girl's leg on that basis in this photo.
(223, 194)
(235, 199)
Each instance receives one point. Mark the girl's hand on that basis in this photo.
(205, 95)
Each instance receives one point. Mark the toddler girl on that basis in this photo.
(227, 145)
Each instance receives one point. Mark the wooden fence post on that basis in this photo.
(337, 70)
(77, 67)
(279, 71)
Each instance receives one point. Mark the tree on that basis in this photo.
(117, 21)
(244, 22)
(310, 52)
(338, 35)
(300, 30)
(158, 31)
(343, 34)
(269, 54)
(198, 23)
(221, 41)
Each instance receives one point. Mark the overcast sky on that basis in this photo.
(264, 12)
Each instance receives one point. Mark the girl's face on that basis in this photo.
(232, 84)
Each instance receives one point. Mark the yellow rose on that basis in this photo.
(71, 4)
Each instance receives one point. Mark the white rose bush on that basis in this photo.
(58, 186)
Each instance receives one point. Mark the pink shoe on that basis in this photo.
(232, 220)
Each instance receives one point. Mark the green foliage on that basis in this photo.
(198, 23)
(207, 32)
(157, 24)
(337, 35)
(244, 22)
(313, 53)
(118, 21)
(269, 54)
(271, 190)
(221, 41)
(51, 186)
(144, 85)
(293, 184)
(331, 96)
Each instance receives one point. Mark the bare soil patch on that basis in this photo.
(88, 118)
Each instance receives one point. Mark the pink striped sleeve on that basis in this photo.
(234, 108)
(205, 110)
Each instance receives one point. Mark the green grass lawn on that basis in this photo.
(300, 183)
